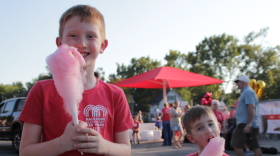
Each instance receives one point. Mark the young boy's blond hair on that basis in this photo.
(195, 113)
(87, 14)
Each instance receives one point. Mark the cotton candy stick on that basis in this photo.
(215, 147)
(66, 65)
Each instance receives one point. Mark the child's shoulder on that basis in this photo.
(44, 84)
(109, 87)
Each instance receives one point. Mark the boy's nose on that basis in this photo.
(208, 129)
(81, 43)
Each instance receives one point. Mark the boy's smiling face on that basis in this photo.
(203, 130)
(86, 37)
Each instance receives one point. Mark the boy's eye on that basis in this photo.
(72, 35)
(91, 36)
(210, 124)
(199, 128)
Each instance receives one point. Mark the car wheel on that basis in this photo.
(16, 140)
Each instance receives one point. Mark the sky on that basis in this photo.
(133, 28)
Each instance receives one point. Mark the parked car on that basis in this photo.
(10, 127)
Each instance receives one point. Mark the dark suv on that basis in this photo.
(10, 127)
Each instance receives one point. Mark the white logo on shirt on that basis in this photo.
(167, 111)
(95, 116)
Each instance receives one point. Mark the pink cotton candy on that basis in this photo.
(66, 65)
(215, 147)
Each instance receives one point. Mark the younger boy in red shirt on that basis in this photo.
(135, 129)
(201, 125)
(103, 113)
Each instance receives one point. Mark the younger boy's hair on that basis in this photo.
(86, 13)
(195, 113)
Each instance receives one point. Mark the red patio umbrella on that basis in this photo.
(167, 77)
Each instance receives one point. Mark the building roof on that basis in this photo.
(158, 97)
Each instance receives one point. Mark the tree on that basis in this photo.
(176, 59)
(260, 62)
(10, 91)
(29, 85)
(214, 56)
(217, 57)
(137, 66)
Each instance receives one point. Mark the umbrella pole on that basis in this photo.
(164, 91)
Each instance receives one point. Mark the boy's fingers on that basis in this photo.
(88, 150)
(83, 124)
(87, 131)
(86, 138)
(85, 145)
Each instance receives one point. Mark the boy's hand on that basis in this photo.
(93, 142)
(65, 140)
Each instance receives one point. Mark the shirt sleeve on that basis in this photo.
(122, 118)
(172, 111)
(33, 107)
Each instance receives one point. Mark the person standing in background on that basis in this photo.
(158, 123)
(166, 125)
(247, 110)
(135, 129)
(175, 123)
(215, 108)
(140, 116)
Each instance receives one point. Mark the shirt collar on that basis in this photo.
(242, 90)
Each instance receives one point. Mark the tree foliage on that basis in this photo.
(137, 66)
(29, 85)
(10, 91)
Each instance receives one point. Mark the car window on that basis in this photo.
(20, 105)
(1, 107)
(9, 107)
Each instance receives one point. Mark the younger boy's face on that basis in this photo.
(135, 119)
(85, 36)
(203, 130)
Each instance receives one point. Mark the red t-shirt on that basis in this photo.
(219, 116)
(136, 126)
(196, 154)
(166, 116)
(104, 108)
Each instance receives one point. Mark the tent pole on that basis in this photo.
(164, 91)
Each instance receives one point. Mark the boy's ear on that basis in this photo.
(58, 42)
(190, 138)
(219, 126)
(103, 46)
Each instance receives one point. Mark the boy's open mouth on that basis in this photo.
(210, 138)
(84, 54)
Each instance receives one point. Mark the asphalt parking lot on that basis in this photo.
(154, 148)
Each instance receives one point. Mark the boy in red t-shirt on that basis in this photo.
(135, 129)
(103, 113)
(201, 125)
